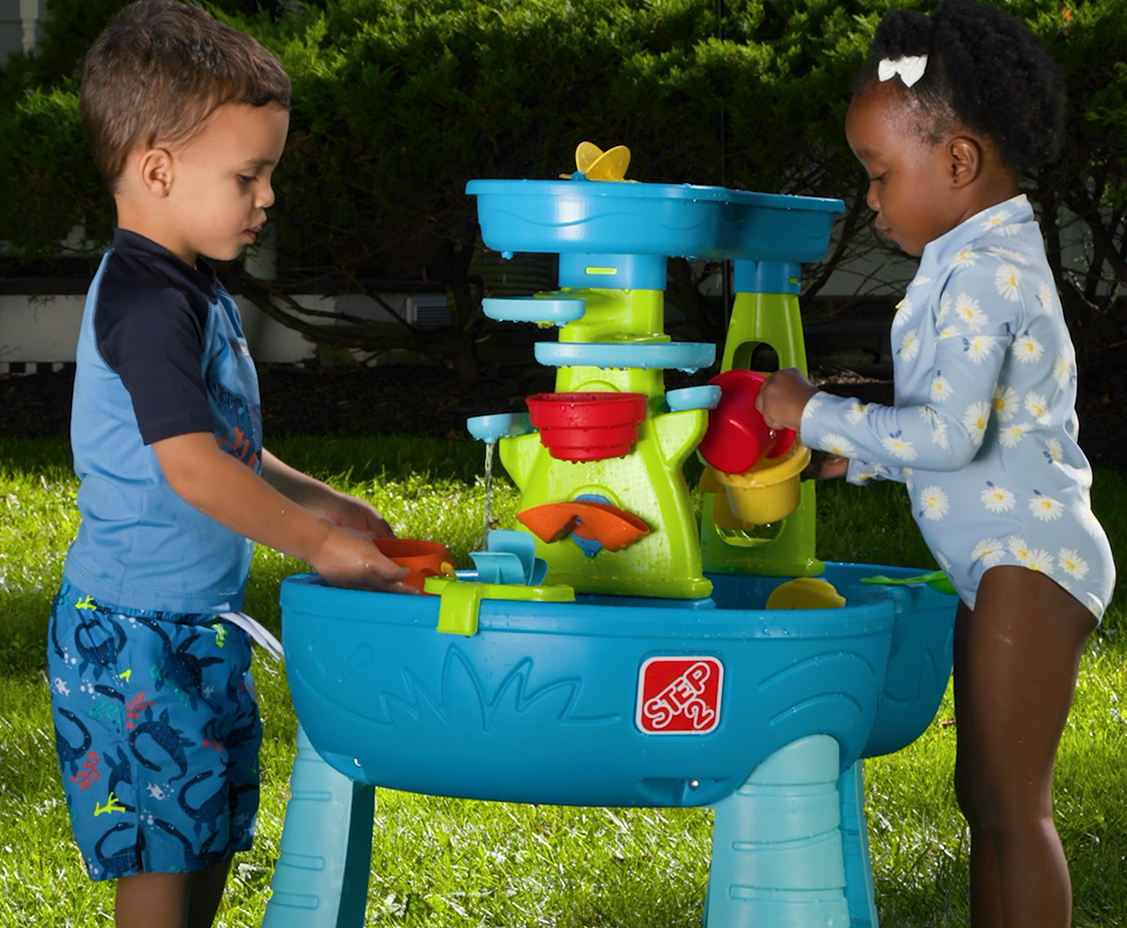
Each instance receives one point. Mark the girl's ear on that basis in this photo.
(154, 169)
(965, 160)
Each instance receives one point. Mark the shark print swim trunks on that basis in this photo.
(157, 735)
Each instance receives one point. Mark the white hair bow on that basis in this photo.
(910, 68)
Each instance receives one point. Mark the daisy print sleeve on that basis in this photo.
(949, 352)
(983, 430)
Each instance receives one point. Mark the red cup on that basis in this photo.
(422, 558)
(587, 426)
(737, 436)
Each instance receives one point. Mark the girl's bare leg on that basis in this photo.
(1017, 656)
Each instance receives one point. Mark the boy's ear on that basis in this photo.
(155, 171)
(965, 160)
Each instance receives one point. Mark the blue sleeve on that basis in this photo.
(966, 338)
(153, 340)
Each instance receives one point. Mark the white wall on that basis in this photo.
(44, 329)
(882, 272)
(20, 25)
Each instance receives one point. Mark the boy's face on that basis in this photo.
(220, 185)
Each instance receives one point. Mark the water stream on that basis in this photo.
(488, 517)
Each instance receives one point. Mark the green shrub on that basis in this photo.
(1090, 180)
(397, 103)
(70, 28)
(48, 183)
(396, 107)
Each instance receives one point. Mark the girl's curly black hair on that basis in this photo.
(985, 70)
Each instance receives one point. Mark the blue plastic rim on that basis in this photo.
(542, 703)
(776, 227)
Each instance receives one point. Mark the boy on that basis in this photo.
(156, 725)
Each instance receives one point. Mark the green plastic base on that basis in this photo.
(648, 482)
(774, 320)
(790, 553)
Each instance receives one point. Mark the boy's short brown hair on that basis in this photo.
(159, 70)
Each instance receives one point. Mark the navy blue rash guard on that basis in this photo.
(161, 353)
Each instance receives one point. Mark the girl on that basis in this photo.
(951, 110)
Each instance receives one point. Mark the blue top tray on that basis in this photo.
(683, 220)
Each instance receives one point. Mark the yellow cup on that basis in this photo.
(768, 491)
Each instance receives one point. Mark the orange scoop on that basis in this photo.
(612, 527)
(422, 558)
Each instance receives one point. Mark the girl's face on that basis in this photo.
(913, 185)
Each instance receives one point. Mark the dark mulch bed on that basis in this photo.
(425, 400)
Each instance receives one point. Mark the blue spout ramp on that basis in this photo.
(761, 714)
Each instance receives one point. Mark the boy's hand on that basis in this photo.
(782, 398)
(322, 500)
(350, 512)
(264, 510)
(347, 558)
(825, 466)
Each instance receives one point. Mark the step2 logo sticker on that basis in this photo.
(679, 695)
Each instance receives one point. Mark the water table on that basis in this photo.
(612, 651)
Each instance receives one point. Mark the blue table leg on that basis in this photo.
(858, 866)
(321, 876)
(777, 846)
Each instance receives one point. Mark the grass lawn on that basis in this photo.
(439, 862)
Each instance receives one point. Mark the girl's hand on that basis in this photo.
(782, 398)
(825, 466)
(347, 558)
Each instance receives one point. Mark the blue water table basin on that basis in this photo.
(606, 701)
(545, 693)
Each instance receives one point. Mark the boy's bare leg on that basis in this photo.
(207, 893)
(170, 900)
(152, 900)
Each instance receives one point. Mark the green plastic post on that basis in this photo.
(771, 319)
(617, 315)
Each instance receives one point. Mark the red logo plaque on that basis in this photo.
(679, 695)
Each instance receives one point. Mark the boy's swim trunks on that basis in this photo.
(157, 734)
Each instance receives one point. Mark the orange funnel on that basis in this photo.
(612, 527)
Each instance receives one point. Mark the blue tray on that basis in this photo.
(682, 356)
(773, 227)
(545, 310)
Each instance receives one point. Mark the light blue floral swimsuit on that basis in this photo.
(983, 427)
